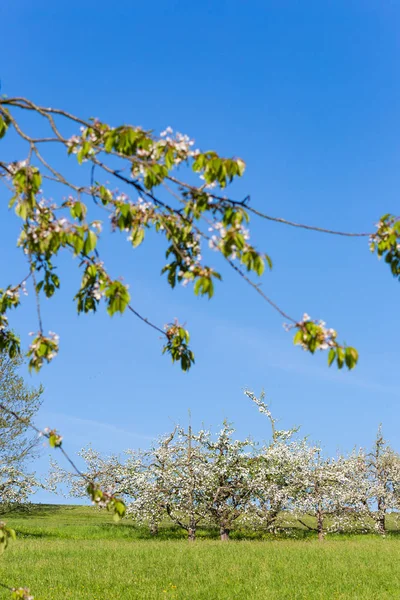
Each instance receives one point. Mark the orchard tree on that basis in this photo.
(16, 486)
(149, 493)
(18, 407)
(379, 489)
(274, 472)
(171, 482)
(107, 471)
(328, 492)
(183, 481)
(293, 477)
(140, 478)
(228, 480)
(17, 443)
(139, 181)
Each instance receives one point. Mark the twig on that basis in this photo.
(259, 291)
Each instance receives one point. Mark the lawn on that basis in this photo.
(79, 553)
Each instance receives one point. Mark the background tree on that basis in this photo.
(182, 479)
(18, 445)
(274, 472)
(328, 492)
(379, 483)
(107, 471)
(228, 485)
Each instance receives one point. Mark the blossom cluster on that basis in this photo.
(42, 348)
(326, 336)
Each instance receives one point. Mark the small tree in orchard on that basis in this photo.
(172, 482)
(379, 492)
(275, 483)
(18, 406)
(107, 471)
(16, 486)
(152, 493)
(274, 472)
(130, 477)
(228, 484)
(184, 481)
(328, 492)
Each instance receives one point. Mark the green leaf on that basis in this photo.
(340, 357)
(4, 122)
(77, 242)
(90, 242)
(137, 236)
(298, 337)
(105, 195)
(54, 440)
(22, 210)
(119, 510)
(331, 356)
(118, 297)
(259, 265)
(197, 286)
(351, 357)
(78, 210)
(241, 166)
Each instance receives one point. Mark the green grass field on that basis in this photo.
(79, 553)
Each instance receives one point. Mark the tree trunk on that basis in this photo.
(381, 522)
(153, 529)
(224, 534)
(191, 534)
(271, 522)
(320, 526)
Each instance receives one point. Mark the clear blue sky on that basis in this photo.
(308, 94)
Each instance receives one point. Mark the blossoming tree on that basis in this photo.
(379, 483)
(328, 493)
(17, 445)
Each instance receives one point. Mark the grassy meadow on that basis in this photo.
(79, 553)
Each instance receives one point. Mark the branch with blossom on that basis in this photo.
(156, 192)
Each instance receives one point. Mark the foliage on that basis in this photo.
(167, 186)
(6, 533)
(386, 242)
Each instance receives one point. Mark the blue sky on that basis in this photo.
(308, 94)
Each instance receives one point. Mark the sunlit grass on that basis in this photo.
(79, 553)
